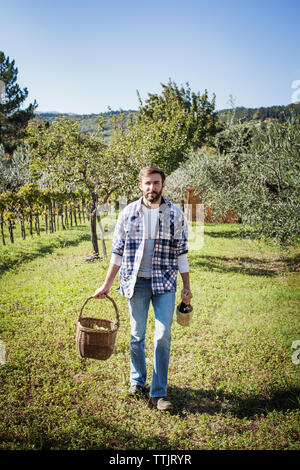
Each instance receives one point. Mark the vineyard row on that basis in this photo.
(31, 206)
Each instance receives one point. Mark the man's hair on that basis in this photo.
(149, 170)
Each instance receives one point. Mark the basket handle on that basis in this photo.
(108, 297)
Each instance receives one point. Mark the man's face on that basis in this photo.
(152, 187)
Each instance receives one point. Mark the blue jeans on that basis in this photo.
(163, 306)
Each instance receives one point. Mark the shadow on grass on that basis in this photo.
(293, 263)
(228, 234)
(98, 435)
(215, 402)
(47, 249)
(245, 265)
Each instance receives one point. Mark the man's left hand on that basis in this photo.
(186, 296)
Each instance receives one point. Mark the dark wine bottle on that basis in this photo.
(184, 308)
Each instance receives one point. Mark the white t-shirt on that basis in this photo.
(151, 227)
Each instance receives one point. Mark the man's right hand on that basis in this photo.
(108, 281)
(101, 292)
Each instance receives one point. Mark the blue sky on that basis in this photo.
(83, 56)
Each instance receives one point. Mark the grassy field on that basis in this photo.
(232, 378)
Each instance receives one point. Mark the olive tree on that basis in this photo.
(259, 181)
(14, 171)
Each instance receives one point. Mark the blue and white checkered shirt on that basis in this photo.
(171, 242)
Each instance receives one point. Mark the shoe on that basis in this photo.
(161, 403)
(136, 390)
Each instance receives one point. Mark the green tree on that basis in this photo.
(171, 124)
(13, 119)
(75, 161)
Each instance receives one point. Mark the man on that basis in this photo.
(149, 246)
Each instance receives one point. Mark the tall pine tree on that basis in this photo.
(13, 119)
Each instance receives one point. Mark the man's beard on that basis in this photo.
(153, 197)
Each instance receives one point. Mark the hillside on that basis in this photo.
(282, 113)
(88, 121)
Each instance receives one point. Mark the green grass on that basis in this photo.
(232, 379)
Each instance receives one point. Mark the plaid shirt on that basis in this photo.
(129, 239)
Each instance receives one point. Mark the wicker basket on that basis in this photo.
(92, 343)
